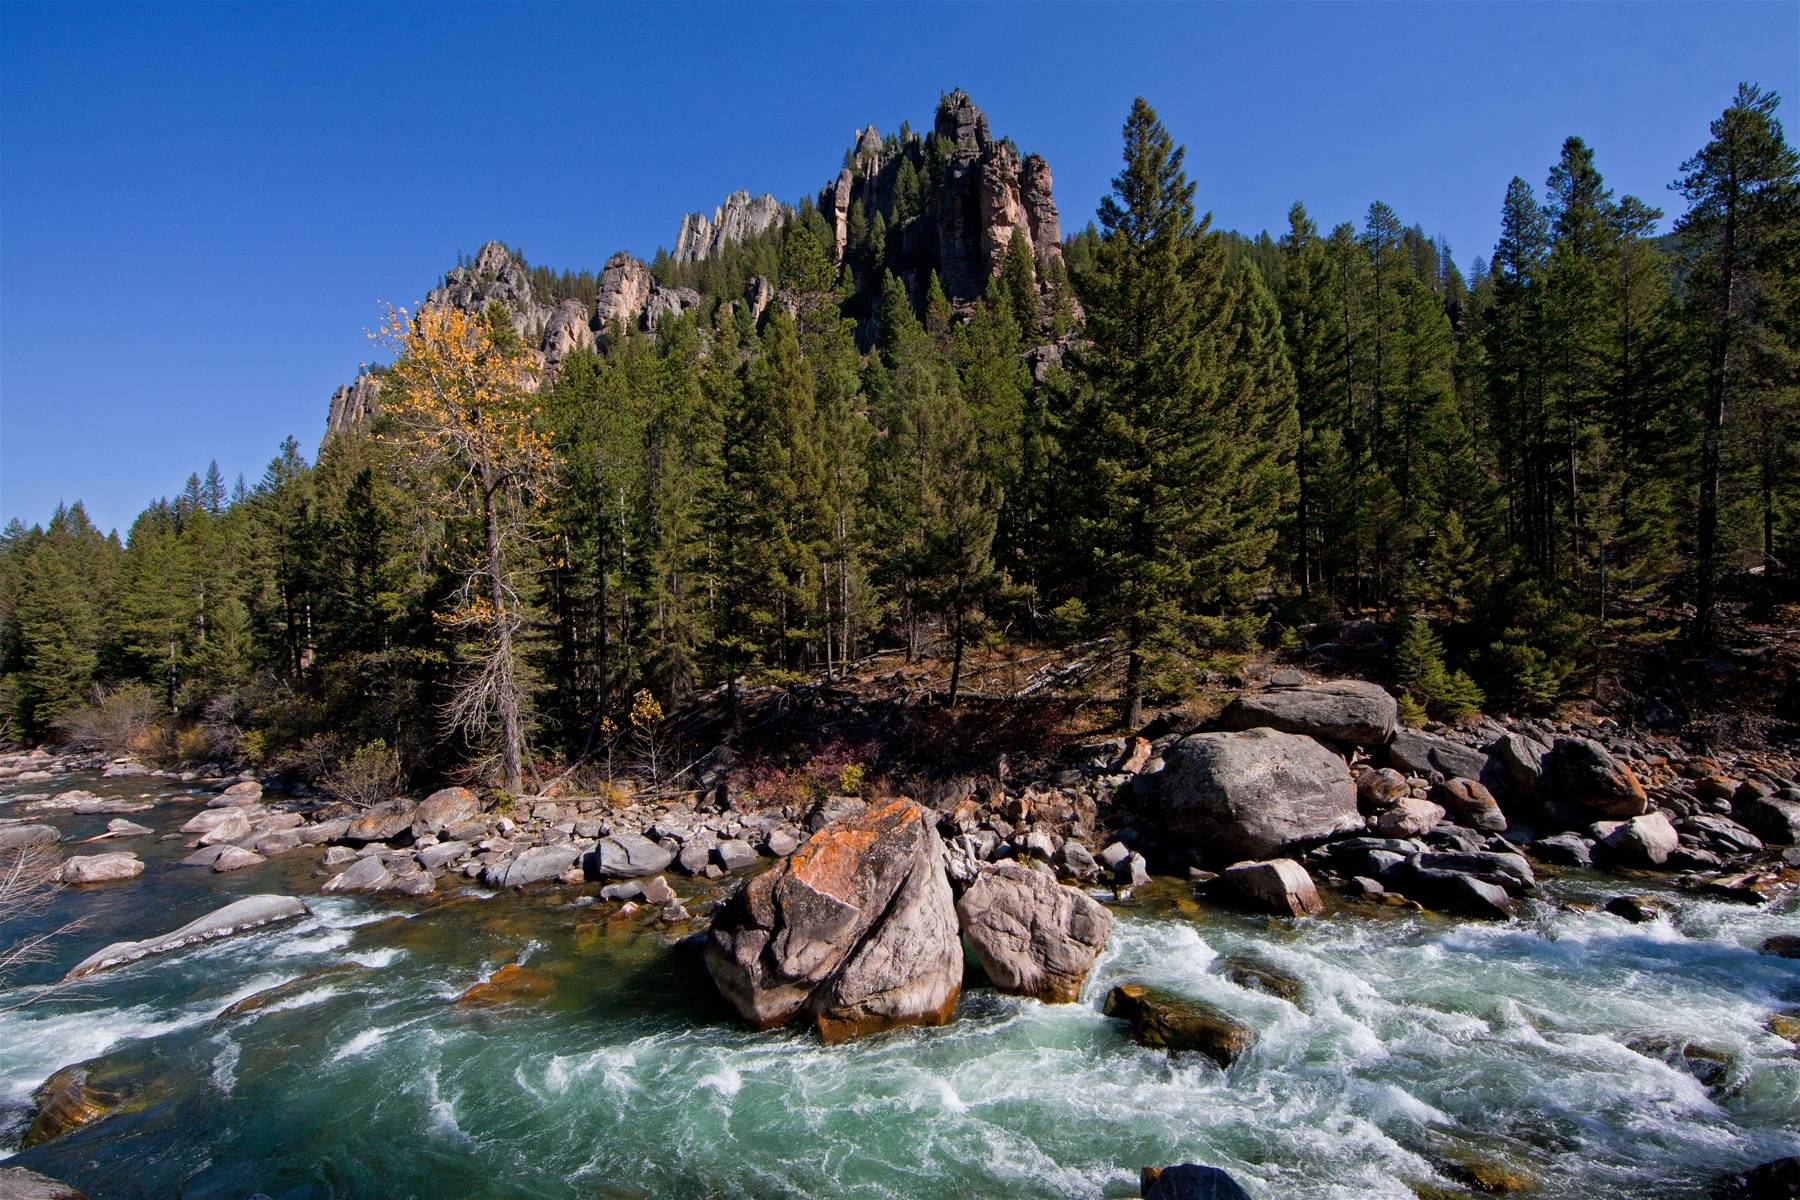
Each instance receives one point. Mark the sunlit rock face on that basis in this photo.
(855, 932)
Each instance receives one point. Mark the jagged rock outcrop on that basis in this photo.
(738, 219)
(625, 285)
(971, 201)
(629, 295)
(354, 404)
(497, 276)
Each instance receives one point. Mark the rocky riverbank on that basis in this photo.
(851, 915)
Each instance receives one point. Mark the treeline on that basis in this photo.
(1557, 458)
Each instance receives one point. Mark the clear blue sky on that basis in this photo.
(201, 207)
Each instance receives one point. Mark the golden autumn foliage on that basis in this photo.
(459, 394)
(459, 402)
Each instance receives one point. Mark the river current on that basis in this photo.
(1419, 1043)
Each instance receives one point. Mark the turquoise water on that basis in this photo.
(1418, 1042)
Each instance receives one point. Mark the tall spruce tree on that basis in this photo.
(1742, 237)
(1159, 423)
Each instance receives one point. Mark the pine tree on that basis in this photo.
(1159, 425)
(1018, 279)
(1740, 234)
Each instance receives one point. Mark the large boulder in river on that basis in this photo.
(1587, 777)
(27, 837)
(1430, 756)
(1469, 803)
(1645, 841)
(855, 932)
(1338, 710)
(1251, 793)
(535, 865)
(629, 856)
(1769, 817)
(102, 868)
(1033, 936)
(249, 913)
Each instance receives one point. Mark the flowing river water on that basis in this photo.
(1418, 1043)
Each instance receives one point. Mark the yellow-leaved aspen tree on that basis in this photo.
(459, 401)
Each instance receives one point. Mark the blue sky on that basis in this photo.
(201, 207)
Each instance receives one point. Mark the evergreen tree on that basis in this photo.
(1740, 234)
(1160, 427)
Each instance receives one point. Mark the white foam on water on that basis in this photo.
(360, 1043)
(442, 1111)
(384, 957)
(41, 1039)
(306, 947)
(224, 1067)
(304, 999)
(725, 1081)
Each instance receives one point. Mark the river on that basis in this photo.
(1418, 1042)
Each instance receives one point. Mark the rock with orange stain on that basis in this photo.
(855, 932)
(511, 984)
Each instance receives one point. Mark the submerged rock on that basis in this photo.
(1260, 976)
(1167, 1022)
(1033, 936)
(248, 913)
(65, 1102)
(1250, 794)
(1639, 910)
(1778, 1180)
(511, 984)
(1782, 945)
(1189, 1181)
(856, 931)
(27, 837)
(1338, 710)
(284, 991)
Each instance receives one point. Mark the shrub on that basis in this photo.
(113, 722)
(1411, 715)
(367, 777)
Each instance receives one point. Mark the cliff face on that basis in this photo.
(738, 218)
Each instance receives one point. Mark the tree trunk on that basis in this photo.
(1131, 704)
(956, 657)
(512, 737)
(1717, 357)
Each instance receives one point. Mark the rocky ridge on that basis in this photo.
(977, 190)
(736, 219)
